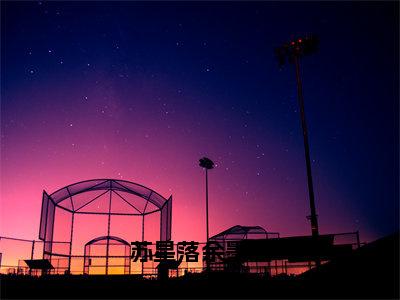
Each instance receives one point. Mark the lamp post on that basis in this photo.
(207, 164)
(292, 52)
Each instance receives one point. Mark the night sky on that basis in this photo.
(141, 91)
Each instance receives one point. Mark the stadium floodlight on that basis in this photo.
(207, 164)
(292, 52)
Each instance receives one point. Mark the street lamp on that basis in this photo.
(207, 164)
(292, 52)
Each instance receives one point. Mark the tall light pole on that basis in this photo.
(292, 52)
(207, 164)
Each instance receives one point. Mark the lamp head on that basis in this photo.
(206, 163)
(298, 47)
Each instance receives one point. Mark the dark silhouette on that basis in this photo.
(372, 271)
(292, 52)
(207, 164)
(164, 267)
(44, 265)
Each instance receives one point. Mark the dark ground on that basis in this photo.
(370, 272)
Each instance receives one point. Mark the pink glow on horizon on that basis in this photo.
(96, 139)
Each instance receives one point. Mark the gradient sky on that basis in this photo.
(141, 91)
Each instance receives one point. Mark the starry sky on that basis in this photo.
(140, 91)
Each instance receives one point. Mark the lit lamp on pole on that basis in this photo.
(292, 52)
(207, 164)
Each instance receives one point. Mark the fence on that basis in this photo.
(13, 252)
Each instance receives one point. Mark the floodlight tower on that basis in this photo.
(207, 164)
(292, 52)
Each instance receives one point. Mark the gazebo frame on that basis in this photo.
(64, 199)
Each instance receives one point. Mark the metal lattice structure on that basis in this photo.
(95, 250)
(228, 240)
(106, 198)
(238, 232)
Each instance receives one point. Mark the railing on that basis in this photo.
(32, 249)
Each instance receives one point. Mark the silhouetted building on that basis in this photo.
(224, 246)
(251, 249)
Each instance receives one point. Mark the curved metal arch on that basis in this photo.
(239, 229)
(106, 184)
(68, 191)
(105, 237)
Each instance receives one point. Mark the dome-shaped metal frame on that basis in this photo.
(66, 199)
